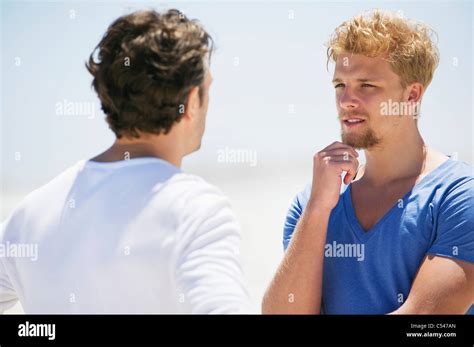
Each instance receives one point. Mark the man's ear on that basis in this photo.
(192, 104)
(415, 92)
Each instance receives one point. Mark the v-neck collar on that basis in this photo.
(351, 216)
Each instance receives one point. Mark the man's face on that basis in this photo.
(362, 85)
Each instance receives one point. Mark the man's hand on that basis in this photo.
(300, 274)
(328, 165)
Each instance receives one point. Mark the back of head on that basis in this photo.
(147, 63)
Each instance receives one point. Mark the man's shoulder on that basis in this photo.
(454, 176)
(190, 196)
(197, 207)
(52, 189)
(458, 184)
(41, 201)
(447, 168)
(463, 170)
(192, 186)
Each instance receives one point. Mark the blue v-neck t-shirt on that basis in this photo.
(371, 272)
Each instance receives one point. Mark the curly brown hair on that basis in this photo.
(147, 64)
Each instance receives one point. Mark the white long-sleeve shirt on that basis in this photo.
(133, 236)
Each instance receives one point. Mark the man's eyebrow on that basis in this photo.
(368, 79)
(338, 80)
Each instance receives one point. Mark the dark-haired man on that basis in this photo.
(128, 231)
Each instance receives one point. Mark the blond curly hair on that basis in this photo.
(408, 46)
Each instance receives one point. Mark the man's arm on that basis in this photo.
(297, 285)
(442, 286)
(209, 272)
(445, 279)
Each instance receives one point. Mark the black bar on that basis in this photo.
(218, 329)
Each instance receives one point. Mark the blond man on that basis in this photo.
(393, 236)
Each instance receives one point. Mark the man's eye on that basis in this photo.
(339, 85)
(366, 85)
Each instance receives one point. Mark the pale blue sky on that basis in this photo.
(281, 62)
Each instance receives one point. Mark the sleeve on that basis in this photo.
(8, 297)
(294, 213)
(454, 234)
(209, 271)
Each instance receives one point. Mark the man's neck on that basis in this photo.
(125, 149)
(395, 159)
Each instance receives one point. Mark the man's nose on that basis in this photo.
(348, 100)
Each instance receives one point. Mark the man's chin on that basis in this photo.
(360, 141)
(354, 144)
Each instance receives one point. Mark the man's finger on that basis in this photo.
(350, 166)
(340, 145)
(344, 152)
